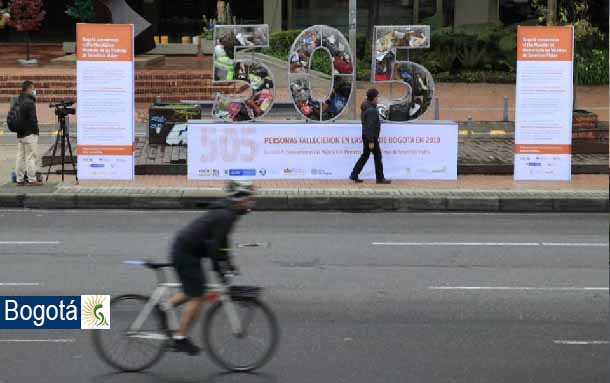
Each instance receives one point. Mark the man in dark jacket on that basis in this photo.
(27, 136)
(205, 237)
(371, 127)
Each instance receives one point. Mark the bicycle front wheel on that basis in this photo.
(127, 350)
(250, 349)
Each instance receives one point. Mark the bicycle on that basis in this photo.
(147, 324)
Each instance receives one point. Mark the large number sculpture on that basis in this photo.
(228, 39)
(387, 67)
(333, 42)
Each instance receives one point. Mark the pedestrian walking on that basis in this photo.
(22, 116)
(371, 126)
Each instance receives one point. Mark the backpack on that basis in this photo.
(13, 119)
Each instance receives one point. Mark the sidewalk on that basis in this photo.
(585, 193)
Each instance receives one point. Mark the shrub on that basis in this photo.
(592, 68)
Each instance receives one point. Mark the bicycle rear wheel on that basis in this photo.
(241, 352)
(127, 351)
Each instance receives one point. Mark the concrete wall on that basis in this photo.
(476, 12)
(273, 15)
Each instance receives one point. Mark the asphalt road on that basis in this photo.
(360, 297)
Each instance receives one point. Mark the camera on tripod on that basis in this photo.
(63, 108)
(62, 139)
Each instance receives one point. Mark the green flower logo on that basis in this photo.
(92, 312)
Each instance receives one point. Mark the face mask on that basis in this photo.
(34, 93)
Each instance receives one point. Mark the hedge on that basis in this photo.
(475, 53)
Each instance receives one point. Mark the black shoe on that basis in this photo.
(356, 179)
(185, 345)
(383, 182)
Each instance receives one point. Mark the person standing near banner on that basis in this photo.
(27, 136)
(371, 127)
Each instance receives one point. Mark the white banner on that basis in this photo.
(105, 101)
(544, 103)
(422, 151)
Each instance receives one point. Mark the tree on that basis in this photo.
(26, 16)
(373, 18)
(82, 10)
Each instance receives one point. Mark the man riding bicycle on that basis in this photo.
(205, 237)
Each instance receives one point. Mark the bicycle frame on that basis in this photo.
(161, 296)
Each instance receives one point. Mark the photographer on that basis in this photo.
(27, 136)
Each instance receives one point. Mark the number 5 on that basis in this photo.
(228, 69)
(387, 68)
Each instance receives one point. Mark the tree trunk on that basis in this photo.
(373, 18)
(448, 12)
(27, 42)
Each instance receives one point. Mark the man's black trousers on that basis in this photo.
(366, 153)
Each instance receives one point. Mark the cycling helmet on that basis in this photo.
(239, 189)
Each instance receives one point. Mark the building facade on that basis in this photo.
(177, 18)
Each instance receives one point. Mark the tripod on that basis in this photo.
(62, 139)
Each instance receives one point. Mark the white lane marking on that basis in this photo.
(20, 284)
(456, 244)
(581, 342)
(37, 340)
(29, 242)
(584, 244)
(575, 244)
(517, 288)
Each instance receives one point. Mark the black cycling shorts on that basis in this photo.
(190, 272)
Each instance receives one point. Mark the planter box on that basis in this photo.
(69, 47)
(173, 49)
(207, 47)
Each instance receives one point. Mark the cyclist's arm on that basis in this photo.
(220, 252)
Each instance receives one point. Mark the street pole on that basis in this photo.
(353, 17)
(551, 18)
(289, 12)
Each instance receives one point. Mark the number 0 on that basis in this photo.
(330, 40)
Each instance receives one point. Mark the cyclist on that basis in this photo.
(205, 237)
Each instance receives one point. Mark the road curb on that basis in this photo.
(10, 200)
(520, 204)
(473, 204)
(349, 203)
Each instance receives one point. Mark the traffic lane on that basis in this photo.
(447, 225)
(553, 295)
(319, 251)
(346, 345)
(334, 239)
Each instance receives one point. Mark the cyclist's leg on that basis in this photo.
(179, 299)
(191, 275)
(177, 252)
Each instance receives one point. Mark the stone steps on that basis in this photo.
(169, 86)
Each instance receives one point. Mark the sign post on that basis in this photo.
(544, 103)
(105, 101)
